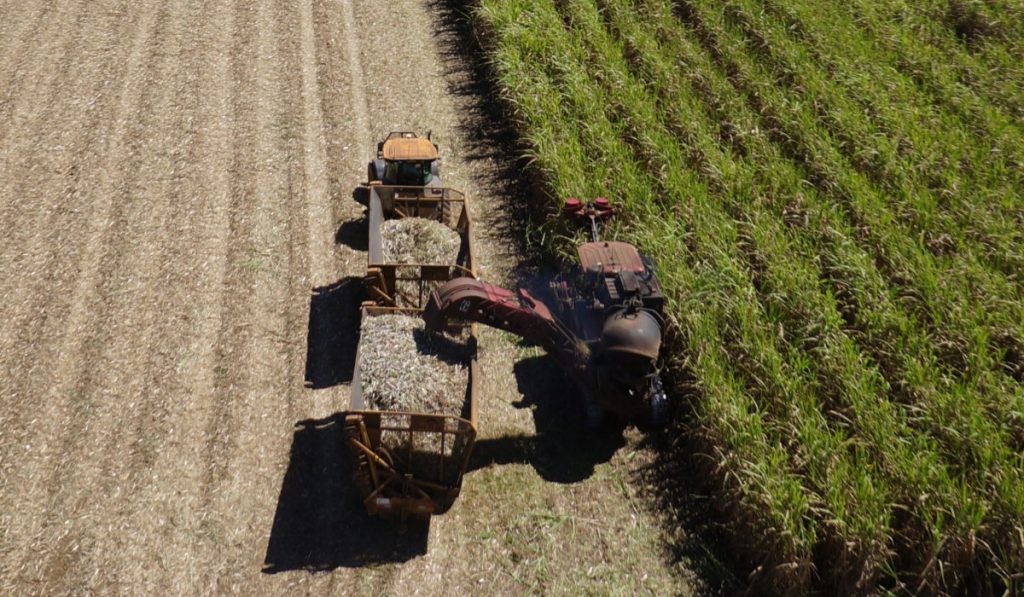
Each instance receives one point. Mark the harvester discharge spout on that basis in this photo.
(518, 312)
(604, 324)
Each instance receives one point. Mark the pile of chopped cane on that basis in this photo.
(419, 241)
(403, 367)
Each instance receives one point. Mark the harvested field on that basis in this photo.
(175, 179)
(403, 367)
(834, 193)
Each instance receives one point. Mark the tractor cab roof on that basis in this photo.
(611, 257)
(409, 149)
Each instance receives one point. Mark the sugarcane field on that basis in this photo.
(509, 297)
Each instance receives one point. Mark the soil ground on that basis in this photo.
(177, 296)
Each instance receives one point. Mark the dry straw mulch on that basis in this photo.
(419, 240)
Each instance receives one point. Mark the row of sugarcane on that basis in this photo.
(851, 322)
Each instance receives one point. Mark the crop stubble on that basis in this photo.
(171, 176)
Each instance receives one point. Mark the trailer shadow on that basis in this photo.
(320, 523)
(333, 333)
(563, 449)
(353, 234)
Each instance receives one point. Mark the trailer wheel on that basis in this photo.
(444, 212)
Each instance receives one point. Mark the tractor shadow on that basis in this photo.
(320, 523)
(563, 449)
(333, 333)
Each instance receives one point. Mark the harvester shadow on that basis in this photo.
(563, 449)
(444, 348)
(333, 333)
(320, 523)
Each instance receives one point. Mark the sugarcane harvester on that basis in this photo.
(604, 327)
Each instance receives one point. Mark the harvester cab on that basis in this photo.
(405, 159)
(604, 324)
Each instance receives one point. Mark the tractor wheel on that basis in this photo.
(371, 173)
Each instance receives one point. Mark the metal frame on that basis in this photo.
(445, 205)
(393, 490)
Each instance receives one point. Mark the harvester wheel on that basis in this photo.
(594, 414)
(659, 403)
